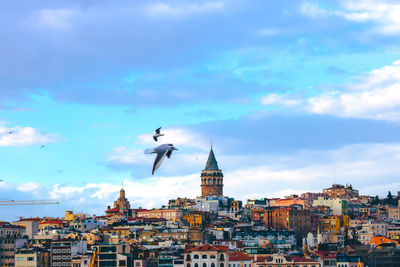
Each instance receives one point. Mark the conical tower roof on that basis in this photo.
(211, 164)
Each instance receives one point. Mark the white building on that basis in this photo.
(206, 256)
(338, 206)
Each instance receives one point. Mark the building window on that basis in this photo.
(204, 256)
(30, 258)
(188, 257)
(196, 256)
(196, 265)
(221, 265)
(221, 257)
(212, 264)
(188, 265)
(204, 264)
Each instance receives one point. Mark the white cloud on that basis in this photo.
(183, 8)
(124, 155)
(24, 136)
(55, 19)
(274, 99)
(312, 10)
(268, 31)
(375, 96)
(28, 187)
(385, 15)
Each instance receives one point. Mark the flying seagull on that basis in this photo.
(162, 151)
(42, 146)
(157, 134)
(11, 132)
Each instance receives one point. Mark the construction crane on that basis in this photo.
(27, 202)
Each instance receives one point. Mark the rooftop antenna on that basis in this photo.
(211, 143)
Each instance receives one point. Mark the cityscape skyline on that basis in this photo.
(294, 101)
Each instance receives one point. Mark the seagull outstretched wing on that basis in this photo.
(159, 159)
(158, 130)
(169, 153)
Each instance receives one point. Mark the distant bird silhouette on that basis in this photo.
(11, 132)
(42, 146)
(157, 134)
(162, 151)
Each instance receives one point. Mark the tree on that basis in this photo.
(355, 237)
(346, 236)
(389, 198)
(376, 201)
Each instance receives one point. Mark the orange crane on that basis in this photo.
(27, 202)
(93, 257)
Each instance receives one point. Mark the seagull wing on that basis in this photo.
(159, 159)
(155, 138)
(169, 153)
(158, 130)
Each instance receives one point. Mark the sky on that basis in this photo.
(295, 96)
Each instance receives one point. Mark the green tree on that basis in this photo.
(389, 198)
(355, 237)
(376, 201)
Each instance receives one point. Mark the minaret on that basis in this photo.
(211, 177)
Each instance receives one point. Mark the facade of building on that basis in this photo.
(32, 257)
(291, 219)
(277, 260)
(170, 215)
(337, 206)
(333, 224)
(341, 191)
(121, 205)
(206, 256)
(212, 178)
(63, 250)
(11, 238)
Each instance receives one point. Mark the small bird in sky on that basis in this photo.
(157, 134)
(42, 146)
(162, 151)
(11, 132)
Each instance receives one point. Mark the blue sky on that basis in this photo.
(295, 95)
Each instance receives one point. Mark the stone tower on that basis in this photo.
(122, 203)
(211, 177)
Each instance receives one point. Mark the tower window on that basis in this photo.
(214, 181)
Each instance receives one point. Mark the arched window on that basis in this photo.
(221, 265)
(221, 257)
(188, 265)
(188, 257)
(196, 256)
(209, 180)
(214, 181)
(204, 264)
(196, 265)
(212, 264)
(212, 256)
(204, 256)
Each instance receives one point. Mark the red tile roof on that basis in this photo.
(30, 220)
(301, 259)
(52, 222)
(239, 256)
(113, 209)
(207, 248)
